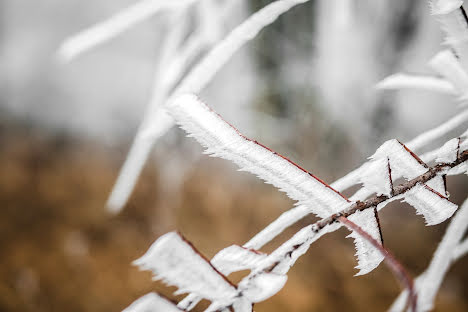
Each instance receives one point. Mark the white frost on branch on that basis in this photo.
(435, 207)
(450, 14)
(429, 282)
(369, 257)
(222, 140)
(177, 263)
(158, 122)
(448, 153)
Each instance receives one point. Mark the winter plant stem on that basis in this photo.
(398, 190)
(396, 267)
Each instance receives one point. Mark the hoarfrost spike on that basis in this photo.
(172, 259)
(223, 140)
(451, 16)
(434, 207)
(391, 160)
(448, 153)
(368, 256)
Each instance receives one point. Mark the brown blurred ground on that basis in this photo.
(60, 251)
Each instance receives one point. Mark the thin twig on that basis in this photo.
(398, 190)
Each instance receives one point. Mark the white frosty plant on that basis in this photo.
(180, 74)
(175, 261)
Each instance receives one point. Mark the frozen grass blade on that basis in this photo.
(175, 261)
(108, 29)
(222, 140)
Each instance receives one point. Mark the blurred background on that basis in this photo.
(304, 86)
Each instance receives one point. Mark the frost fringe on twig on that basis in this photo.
(223, 140)
(156, 121)
(173, 259)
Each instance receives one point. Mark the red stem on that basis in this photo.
(390, 260)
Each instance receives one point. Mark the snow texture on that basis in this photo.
(434, 207)
(177, 263)
(152, 303)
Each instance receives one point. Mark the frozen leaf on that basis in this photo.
(403, 162)
(368, 256)
(448, 153)
(172, 259)
(236, 258)
(438, 184)
(152, 303)
(223, 140)
(435, 207)
(377, 176)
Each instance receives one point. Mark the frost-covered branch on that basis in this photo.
(157, 122)
(448, 251)
(424, 188)
(396, 267)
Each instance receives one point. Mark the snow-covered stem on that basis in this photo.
(394, 265)
(449, 250)
(195, 81)
(398, 190)
(223, 140)
(415, 144)
(141, 146)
